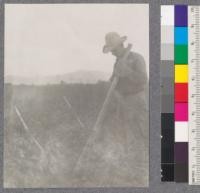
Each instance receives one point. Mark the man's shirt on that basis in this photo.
(136, 80)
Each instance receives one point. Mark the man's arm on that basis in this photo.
(139, 74)
(134, 70)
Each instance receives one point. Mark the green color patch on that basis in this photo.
(181, 54)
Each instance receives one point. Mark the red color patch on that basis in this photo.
(181, 92)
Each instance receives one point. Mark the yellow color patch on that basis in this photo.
(181, 73)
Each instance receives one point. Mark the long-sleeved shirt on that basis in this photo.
(135, 79)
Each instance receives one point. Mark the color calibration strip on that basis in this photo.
(180, 112)
(174, 93)
(194, 95)
(167, 93)
(181, 93)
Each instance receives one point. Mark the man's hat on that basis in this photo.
(112, 39)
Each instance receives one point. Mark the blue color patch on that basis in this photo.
(181, 35)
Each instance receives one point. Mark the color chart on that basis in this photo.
(174, 93)
(167, 93)
(180, 93)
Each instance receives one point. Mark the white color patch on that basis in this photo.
(181, 131)
(167, 15)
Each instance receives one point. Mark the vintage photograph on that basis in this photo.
(76, 95)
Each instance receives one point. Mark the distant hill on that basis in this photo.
(81, 76)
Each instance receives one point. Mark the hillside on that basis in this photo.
(81, 76)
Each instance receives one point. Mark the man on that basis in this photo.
(131, 91)
(118, 151)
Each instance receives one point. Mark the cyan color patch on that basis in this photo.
(181, 35)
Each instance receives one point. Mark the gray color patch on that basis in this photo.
(167, 86)
(167, 104)
(167, 34)
(167, 68)
(167, 51)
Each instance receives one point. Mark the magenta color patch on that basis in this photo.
(181, 111)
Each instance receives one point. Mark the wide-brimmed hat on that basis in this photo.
(112, 40)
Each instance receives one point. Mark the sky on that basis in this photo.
(52, 39)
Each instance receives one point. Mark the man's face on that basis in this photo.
(118, 51)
